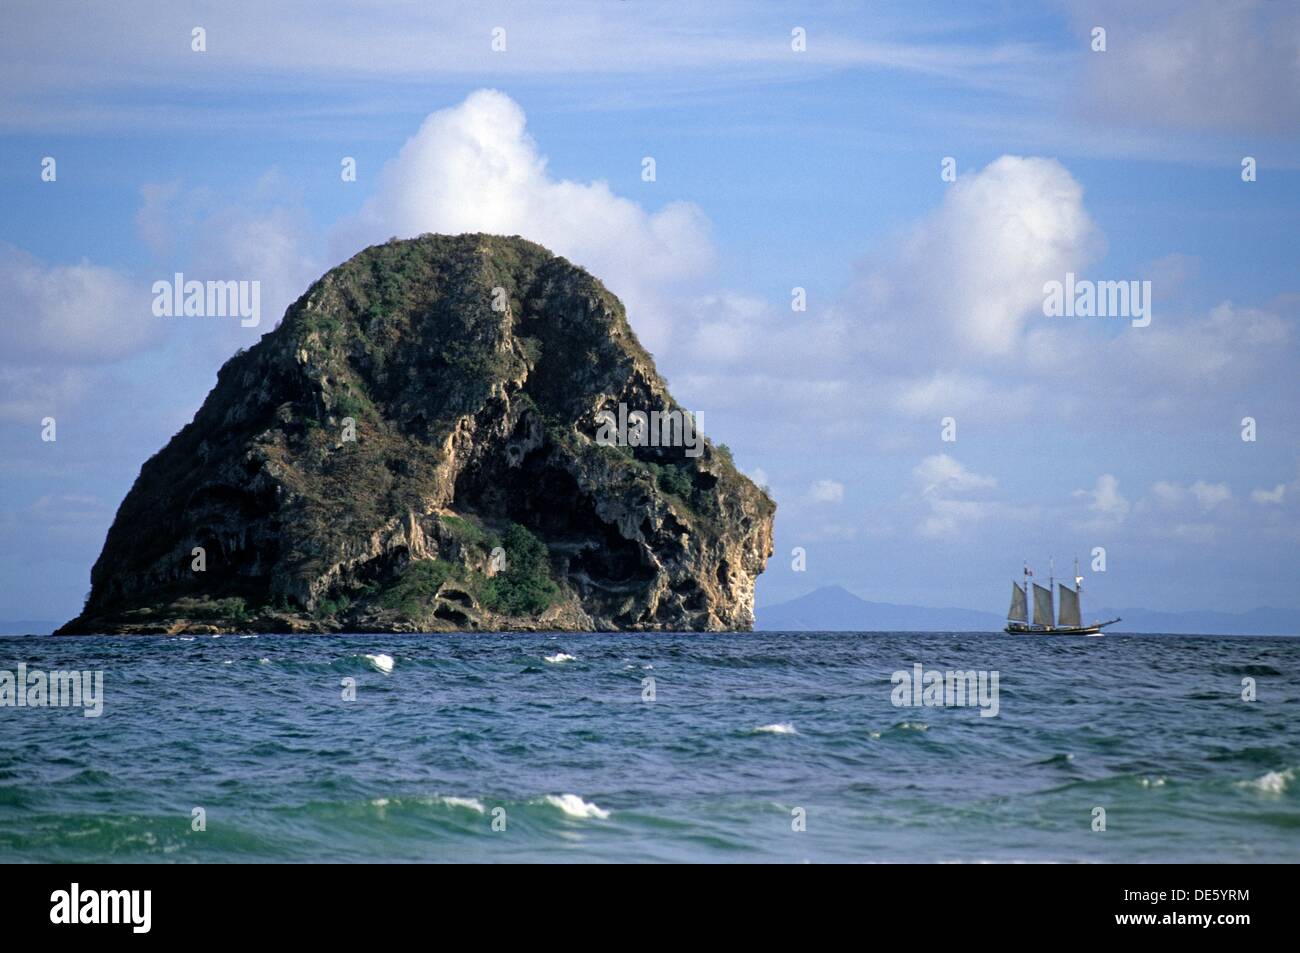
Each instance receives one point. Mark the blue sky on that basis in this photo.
(774, 169)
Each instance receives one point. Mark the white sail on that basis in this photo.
(1069, 607)
(1019, 611)
(1042, 605)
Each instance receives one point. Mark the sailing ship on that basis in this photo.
(1068, 622)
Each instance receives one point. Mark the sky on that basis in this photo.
(921, 172)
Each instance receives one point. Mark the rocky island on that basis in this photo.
(414, 449)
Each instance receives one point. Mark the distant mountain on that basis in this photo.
(835, 609)
(27, 627)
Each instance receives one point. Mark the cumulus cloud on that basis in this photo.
(940, 473)
(1269, 497)
(82, 313)
(971, 273)
(941, 481)
(1210, 495)
(1105, 501)
(473, 167)
(1168, 495)
(826, 491)
(1207, 496)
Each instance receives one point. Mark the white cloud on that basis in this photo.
(1207, 495)
(80, 313)
(1105, 500)
(1199, 64)
(262, 233)
(56, 71)
(971, 273)
(474, 168)
(1269, 497)
(726, 327)
(28, 394)
(1210, 495)
(940, 474)
(963, 396)
(826, 491)
(1168, 495)
(939, 479)
(949, 517)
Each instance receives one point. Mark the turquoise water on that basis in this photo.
(744, 730)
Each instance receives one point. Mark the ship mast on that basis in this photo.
(1078, 586)
(1051, 580)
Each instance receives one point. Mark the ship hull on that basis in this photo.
(1022, 628)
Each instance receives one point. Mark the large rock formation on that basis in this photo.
(413, 449)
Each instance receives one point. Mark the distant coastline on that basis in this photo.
(835, 609)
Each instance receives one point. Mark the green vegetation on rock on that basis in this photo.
(525, 587)
(414, 590)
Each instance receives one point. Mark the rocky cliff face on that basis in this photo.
(414, 449)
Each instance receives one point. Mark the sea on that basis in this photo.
(772, 747)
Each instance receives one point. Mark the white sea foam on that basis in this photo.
(575, 806)
(781, 728)
(472, 803)
(382, 663)
(559, 657)
(469, 803)
(1275, 782)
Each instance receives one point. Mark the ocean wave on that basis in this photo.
(559, 657)
(470, 803)
(780, 728)
(465, 803)
(575, 806)
(1274, 782)
(1063, 757)
(381, 662)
